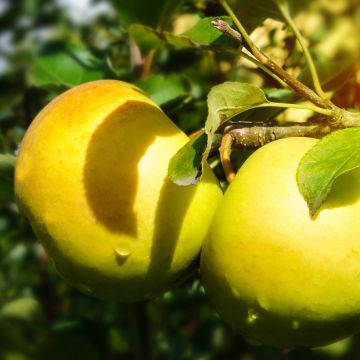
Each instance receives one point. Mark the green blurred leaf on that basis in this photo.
(25, 309)
(142, 11)
(337, 350)
(252, 13)
(7, 168)
(165, 89)
(3, 146)
(66, 66)
(67, 346)
(185, 166)
(331, 157)
(202, 34)
(148, 38)
(11, 336)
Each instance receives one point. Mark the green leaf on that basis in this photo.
(166, 89)
(331, 157)
(66, 66)
(185, 167)
(69, 347)
(202, 34)
(228, 100)
(278, 95)
(11, 336)
(7, 168)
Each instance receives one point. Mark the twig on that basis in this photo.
(264, 68)
(296, 85)
(283, 8)
(250, 135)
(163, 22)
(253, 136)
(148, 61)
(225, 28)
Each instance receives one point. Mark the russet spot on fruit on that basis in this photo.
(91, 177)
(274, 273)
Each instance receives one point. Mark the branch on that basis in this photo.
(255, 136)
(250, 135)
(283, 7)
(225, 28)
(293, 83)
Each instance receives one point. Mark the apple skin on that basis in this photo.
(91, 176)
(276, 275)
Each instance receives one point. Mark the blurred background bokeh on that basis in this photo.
(48, 46)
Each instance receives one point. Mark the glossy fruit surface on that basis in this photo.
(275, 274)
(91, 176)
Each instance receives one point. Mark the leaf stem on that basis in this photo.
(315, 77)
(317, 109)
(293, 83)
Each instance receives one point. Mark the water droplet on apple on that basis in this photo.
(121, 254)
(252, 316)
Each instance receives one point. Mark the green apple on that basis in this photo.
(274, 273)
(91, 177)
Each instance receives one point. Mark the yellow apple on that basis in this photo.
(91, 176)
(274, 273)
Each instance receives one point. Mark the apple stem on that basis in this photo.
(225, 154)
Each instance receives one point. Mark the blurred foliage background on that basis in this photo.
(48, 46)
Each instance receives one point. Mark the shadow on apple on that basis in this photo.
(111, 179)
